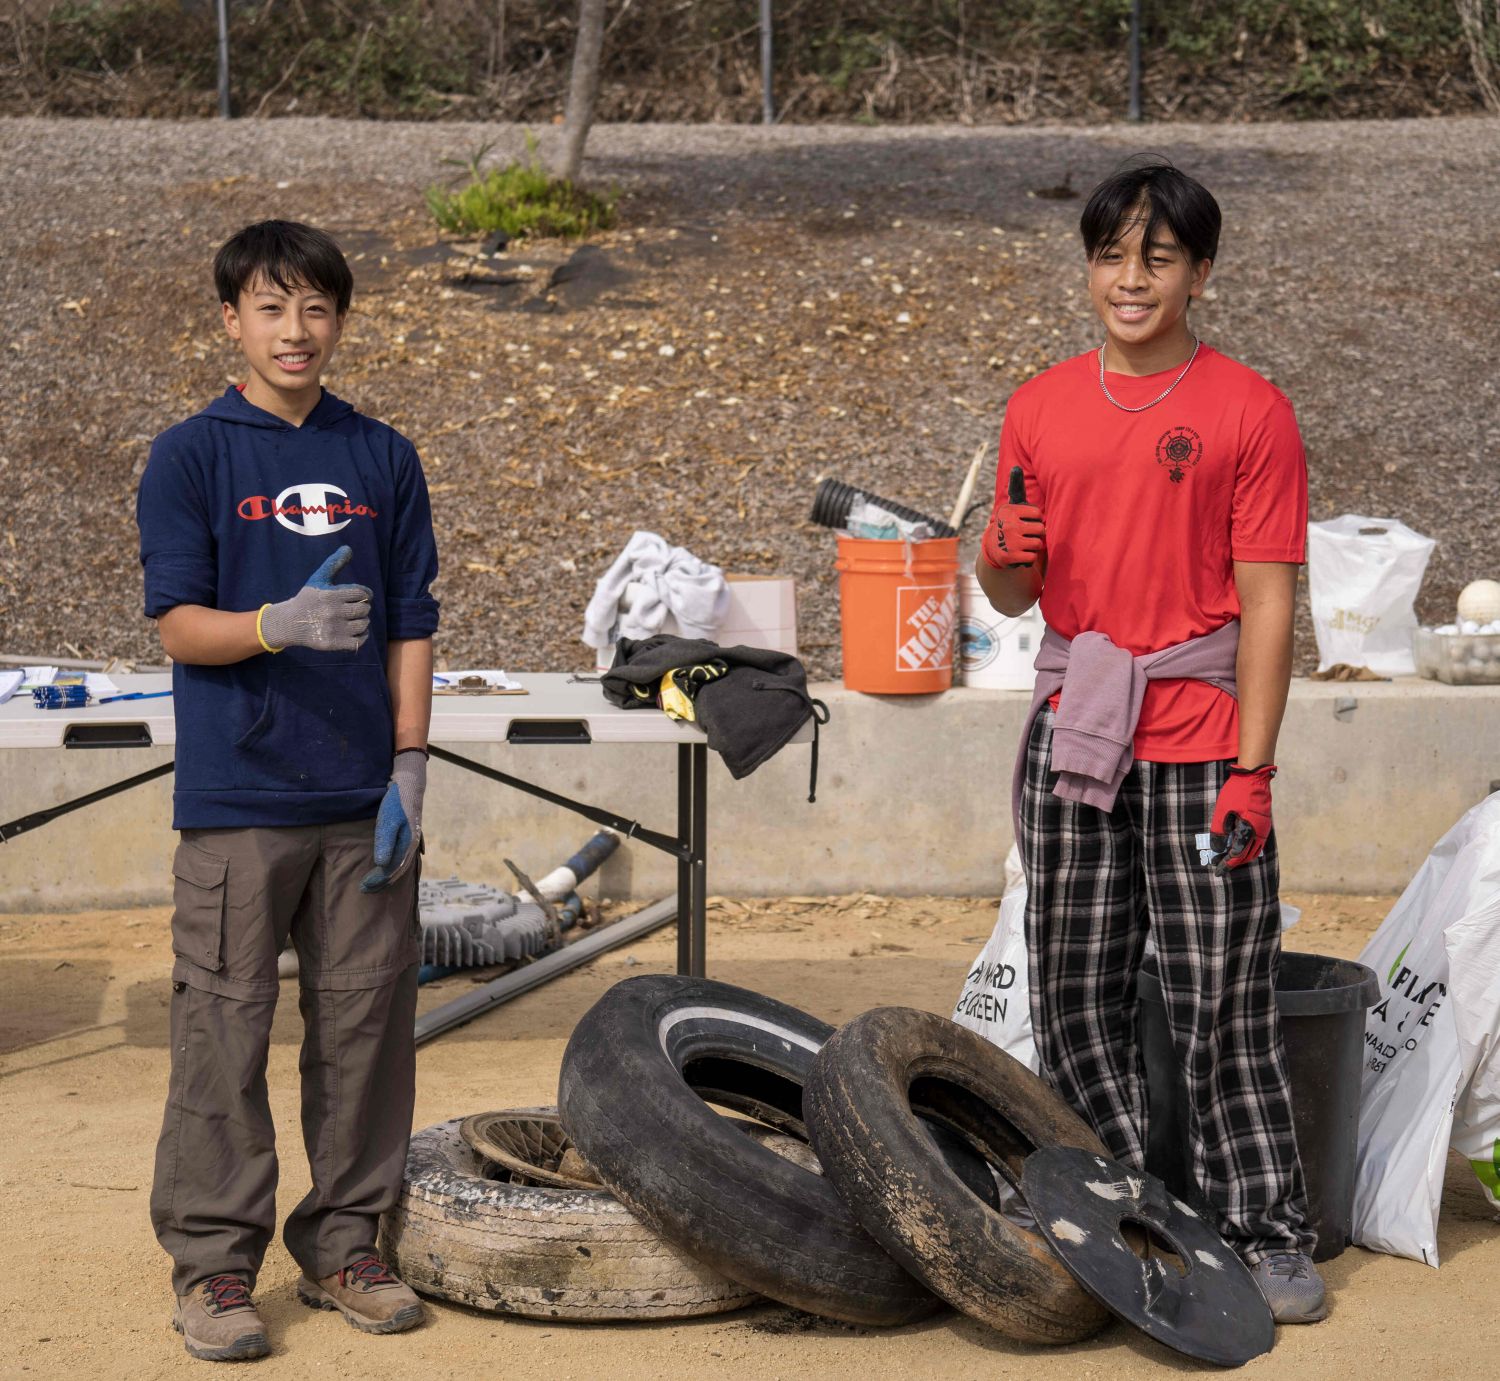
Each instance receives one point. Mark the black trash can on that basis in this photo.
(1322, 1003)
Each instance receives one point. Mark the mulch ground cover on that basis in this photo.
(773, 307)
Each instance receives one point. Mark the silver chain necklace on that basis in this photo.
(1159, 396)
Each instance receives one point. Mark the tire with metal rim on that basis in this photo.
(865, 1093)
(529, 1143)
(638, 1076)
(540, 1252)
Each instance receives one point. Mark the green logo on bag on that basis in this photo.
(1391, 976)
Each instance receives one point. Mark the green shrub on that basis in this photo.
(521, 199)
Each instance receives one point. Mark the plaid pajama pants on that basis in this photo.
(1097, 883)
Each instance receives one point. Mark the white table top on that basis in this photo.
(455, 718)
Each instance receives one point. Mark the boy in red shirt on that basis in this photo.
(1162, 525)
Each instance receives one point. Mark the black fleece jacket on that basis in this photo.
(748, 714)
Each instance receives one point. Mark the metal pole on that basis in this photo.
(700, 860)
(12, 828)
(529, 976)
(631, 829)
(223, 8)
(767, 98)
(685, 859)
(1135, 60)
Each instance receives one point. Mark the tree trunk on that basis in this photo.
(1471, 20)
(583, 88)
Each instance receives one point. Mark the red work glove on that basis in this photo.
(1244, 801)
(1015, 535)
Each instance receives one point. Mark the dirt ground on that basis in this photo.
(83, 1065)
(774, 306)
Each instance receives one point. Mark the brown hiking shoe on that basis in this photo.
(218, 1322)
(367, 1295)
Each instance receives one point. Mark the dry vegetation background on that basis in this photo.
(698, 60)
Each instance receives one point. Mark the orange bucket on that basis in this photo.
(898, 603)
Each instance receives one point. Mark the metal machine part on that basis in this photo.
(467, 924)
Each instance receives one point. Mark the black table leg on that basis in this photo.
(684, 865)
(689, 846)
(698, 853)
(11, 828)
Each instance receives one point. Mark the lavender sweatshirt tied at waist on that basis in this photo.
(1102, 688)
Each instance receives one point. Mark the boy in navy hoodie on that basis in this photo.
(288, 550)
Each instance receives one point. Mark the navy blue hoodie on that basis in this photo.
(237, 509)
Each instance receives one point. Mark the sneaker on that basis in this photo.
(1292, 1287)
(218, 1322)
(367, 1295)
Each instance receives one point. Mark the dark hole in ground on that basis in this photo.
(378, 263)
(585, 276)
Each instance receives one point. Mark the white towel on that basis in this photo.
(667, 580)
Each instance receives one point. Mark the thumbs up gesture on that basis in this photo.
(1016, 535)
(321, 615)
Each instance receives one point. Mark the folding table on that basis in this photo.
(556, 709)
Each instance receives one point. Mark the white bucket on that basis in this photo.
(995, 652)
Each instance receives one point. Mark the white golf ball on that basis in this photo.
(1469, 626)
(1480, 601)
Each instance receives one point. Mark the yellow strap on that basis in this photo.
(260, 635)
(674, 700)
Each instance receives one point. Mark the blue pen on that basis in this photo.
(135, 695)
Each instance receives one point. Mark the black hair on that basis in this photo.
(287, 253)
(1171, 198)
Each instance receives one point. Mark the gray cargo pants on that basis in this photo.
(238, 894)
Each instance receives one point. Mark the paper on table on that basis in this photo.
(99, 685)
(38, 676)
(451, 681)
(10, 682)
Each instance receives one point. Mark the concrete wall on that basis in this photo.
(913, 797)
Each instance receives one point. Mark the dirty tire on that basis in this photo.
(860, 1098)
(529, 1143)
(637, 1078)
(539, 1252)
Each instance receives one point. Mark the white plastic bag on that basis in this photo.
(1364, 574)
(1432, 1043)
(995, 999)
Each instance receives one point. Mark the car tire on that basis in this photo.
(873, 1086)
(539, 1252)
(638, 1077)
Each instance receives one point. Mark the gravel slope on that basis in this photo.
(777, 305)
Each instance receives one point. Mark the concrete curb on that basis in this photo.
(913, 799)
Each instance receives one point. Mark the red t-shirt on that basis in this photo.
(1146, 513)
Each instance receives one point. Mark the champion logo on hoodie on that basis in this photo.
(308, 509)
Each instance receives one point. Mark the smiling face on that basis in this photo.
(1141, 293)
(288, 338)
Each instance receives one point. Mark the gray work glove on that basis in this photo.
(398, 827)
(321, 615)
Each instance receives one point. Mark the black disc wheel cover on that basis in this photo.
(1209, 1308)
(638, 1075)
